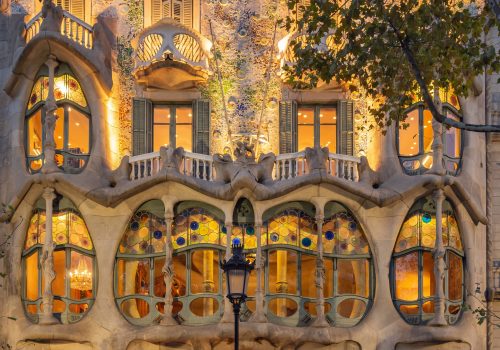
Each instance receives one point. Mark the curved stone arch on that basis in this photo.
(73, 251)
(412, 279)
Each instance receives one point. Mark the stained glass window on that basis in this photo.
(414, 285)
(196, 226)
(74, 265)
(292, 227)
(72, 130)
(342, 235)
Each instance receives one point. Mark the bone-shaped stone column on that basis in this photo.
(46, 316)
(168, 273)
(228, 315)
(259, 315)
(320, 276)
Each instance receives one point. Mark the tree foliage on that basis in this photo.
(393, 50)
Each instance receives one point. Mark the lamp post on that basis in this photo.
(237, 271)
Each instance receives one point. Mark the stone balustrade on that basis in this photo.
(72, 28)
(285, 167)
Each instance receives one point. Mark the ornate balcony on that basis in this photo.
(170, 55)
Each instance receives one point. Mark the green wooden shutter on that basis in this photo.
(177, 10)
(142, 126)
(187, 13)
(78, 8)
(167, 8)
(201, 127)
(346, 128)
(288, 120)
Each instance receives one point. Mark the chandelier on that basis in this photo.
(81, 278)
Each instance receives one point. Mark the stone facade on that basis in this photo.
(238, 72)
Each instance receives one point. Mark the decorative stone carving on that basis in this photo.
(104, 39)
(171, 157)
(316, 158)
(244, 171)
(52, 15)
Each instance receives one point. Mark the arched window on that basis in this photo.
(75, 267)
(290, 245)
(415, 139)
(348, 267)
(199, 241)
(72, 129)
(139, 281)
(412, 269)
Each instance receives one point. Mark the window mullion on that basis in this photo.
(173, 131)
(316, 127)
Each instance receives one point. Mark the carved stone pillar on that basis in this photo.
(260, 315)
(50, 106)
(46, 316)
(168, 274)
(437, 143)
(439, 263)
(228, 316)
(320, 276)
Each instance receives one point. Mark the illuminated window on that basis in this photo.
(415, 137)
(179, 10)
(317, 126)
(413, 285)
(72, 129)
(75, 280)
(291, 245)
(173, 126)
(305, 125)
(199, 240)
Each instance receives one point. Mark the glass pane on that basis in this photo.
(453, 233)
(353, 277)
(179, 282)
(145, 234)
(328, 289)
(455, 273)
(428, 279)
(283, 307)
(161, 115)
(78, 308)
(282, 272)
(184, 137)
(408, 235)
(159, 282)
(60, 227)
(183, 115)
(132, 277)
(428, 307)
(204, 271)
(409, 309)
(81, 276)
(32, 234)
(161, 136)
(135, 308)
(351, 308)
(59, 129)
(328, 128)
(328, 137)
(204, 306)
(78, 233)
(31, 276)
(58, 306)
(308, 273)
(79, 134)
(35, 134)
(305, 128)
(428, 137)
(428, 222)
(452, 138)
(406, 275)
(408, 138)
(59, 283)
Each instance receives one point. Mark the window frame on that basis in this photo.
(65, 104)
(404, 159)
(173, 122)
(317, 123)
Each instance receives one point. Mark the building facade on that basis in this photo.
(140, 139)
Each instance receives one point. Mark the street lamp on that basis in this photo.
(237, 271)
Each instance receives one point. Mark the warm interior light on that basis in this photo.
(283, 43)
(61, 86)
(81, 277)
(77, 124)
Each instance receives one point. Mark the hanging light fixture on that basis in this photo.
(81, 278)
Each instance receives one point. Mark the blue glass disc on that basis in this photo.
(180, 241)
(275, 237)
(352, 226)
(426, 218)
(306, 242)
(194, 225)
(157, 234)
(224, 229)
(250, 230)
(236, 241)
(134, 225)
(329, 235)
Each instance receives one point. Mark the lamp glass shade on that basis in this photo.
(237, 281)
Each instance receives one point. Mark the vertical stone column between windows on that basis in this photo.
(227, 317)
(437, 142)
(439, 263)
(46, 317)
(320, 275)
(168, 271)
(259, 315)
(50, 106)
